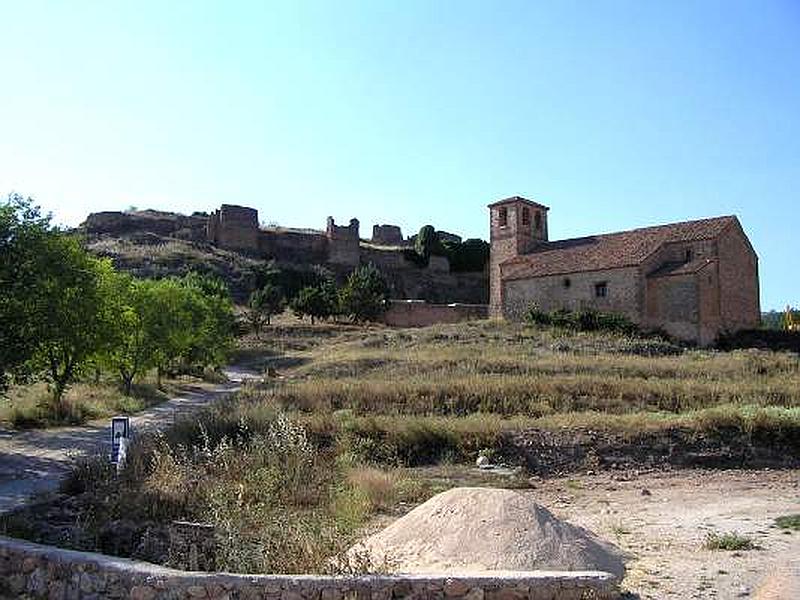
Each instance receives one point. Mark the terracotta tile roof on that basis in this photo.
(610, 250)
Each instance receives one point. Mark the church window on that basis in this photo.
(526, 216)
(503, 216)
(601, 289)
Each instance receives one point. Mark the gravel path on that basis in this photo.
(35, 462)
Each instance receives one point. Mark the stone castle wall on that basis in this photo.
(338, 249)
(36, 571)
(388, 235)
(234, 227)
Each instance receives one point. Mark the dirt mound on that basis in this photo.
(485, 529)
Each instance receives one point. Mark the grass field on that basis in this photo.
(345, 417)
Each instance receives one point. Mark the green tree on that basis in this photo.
(72, 310)
(312, 301)
(428, 243)
(214, 320)
(264, 303)
(24, 234)
(133, 348)
(365, 295)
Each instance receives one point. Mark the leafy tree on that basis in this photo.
(263, 304)
(72, 308)
(365, 295)
(428, 243)
(214, 322)
(23, 237)
(314, 302)
(469, 256)
(133, 349)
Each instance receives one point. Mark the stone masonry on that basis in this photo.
(36, 571)
(695, 280)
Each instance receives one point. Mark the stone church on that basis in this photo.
(693, 280)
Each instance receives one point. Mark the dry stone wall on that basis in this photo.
(35, 571)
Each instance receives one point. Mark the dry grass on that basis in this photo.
(291, 469)
(513, 370)
(30, 407)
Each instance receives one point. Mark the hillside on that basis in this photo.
(155, 244)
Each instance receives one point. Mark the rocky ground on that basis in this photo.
(661, 519)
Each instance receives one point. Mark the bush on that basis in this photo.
(317, 302)
(582, 320)
(365, 295)
(728, 541)
(788, 522)
(768, 339)
(469, 256)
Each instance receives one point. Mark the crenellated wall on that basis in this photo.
(338, 248)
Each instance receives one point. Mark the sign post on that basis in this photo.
(120, 437)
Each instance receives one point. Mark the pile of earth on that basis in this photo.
(486, 529)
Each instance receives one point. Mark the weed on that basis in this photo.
(731, 541)
(791, 522)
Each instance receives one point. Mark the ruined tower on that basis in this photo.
(234, 227)
(344, 243)
(516, 226)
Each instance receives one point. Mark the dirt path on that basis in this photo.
(34, 462)
(662, 519)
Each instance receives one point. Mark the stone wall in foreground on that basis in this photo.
(36, 571)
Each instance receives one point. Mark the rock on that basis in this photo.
(455, 587)
(142, 592)
(646, 492)
(483, 462)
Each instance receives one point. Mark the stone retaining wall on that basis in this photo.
(36, 571)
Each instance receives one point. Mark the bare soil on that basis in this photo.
(661, 520)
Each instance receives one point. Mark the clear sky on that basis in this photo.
(616, 114)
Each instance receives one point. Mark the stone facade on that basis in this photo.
(694, 280)
(36, 571)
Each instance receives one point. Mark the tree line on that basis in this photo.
(363, 297)
(64, 312)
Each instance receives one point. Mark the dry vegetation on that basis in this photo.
(28, 407)
(291, 469)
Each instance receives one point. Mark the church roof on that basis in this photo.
(518, 199)
(611, 250)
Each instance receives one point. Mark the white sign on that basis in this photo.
(120, 436)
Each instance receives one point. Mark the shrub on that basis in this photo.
(582, 320)
(317, 302)
(365, 295)
(728, 541)
(788, 522)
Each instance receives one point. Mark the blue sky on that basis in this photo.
(615, 114)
